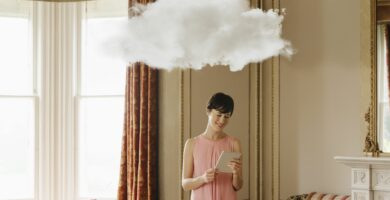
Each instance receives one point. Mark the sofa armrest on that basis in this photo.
(324, 196)
(319, 196)
(298, 197)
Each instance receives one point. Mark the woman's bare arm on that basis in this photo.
(237, 167)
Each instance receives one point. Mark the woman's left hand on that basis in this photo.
(235, 165)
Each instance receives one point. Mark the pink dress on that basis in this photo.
(206, 153)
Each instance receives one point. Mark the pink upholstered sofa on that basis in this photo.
(319, 196)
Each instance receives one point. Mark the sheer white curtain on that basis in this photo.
(57, 29)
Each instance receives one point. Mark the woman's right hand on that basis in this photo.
(209, 175)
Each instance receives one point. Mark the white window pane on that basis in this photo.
(100, 133)
(101, 73)
(386, 85)
(384, 81)
(384, 126)
(16, 148)
(386, 117)
(15, 64)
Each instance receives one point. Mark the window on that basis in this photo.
(100, 99)
(61, 101)
(101, 110)
(18, 108)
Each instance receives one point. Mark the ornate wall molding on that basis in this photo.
(360, 178)
(381, 180)
(361, 195)
(369, 71)
(381, 196)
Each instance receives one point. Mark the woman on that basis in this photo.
(202, 152)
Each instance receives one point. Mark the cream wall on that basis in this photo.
(319, 96)
(319, 104)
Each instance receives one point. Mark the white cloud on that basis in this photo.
(195, 33)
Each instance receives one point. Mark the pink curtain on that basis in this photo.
(138, 170)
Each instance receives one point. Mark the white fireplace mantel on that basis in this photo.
(370, 177)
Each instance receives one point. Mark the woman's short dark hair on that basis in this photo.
(221, 102)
